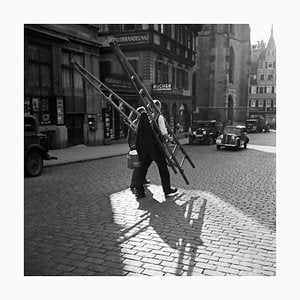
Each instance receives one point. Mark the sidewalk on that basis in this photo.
(82, 153)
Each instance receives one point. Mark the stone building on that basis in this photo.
(53, 91)
(262, 89)
(163, 56)
(223, 61)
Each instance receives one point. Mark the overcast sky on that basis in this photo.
(261, 31)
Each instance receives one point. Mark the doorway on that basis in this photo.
(74, 124)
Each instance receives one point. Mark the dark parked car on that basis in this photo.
(255, 125)
(233, 137)
(35, 147)
(205, 132)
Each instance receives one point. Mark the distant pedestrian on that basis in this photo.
(149, 150)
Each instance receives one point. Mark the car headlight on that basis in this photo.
(194, 132)
(204, 131)
(221, 136)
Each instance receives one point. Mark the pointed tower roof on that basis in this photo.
(271, 43)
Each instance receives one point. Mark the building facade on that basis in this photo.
(223, 61)
(262, 83)
(53, 91)
(163, 56)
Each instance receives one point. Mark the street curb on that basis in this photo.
(82, 160)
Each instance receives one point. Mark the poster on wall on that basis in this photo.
(45, 106)
(60, 111)
(35, 104)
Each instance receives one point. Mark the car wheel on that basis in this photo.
(210, 140)
(238, 144)
(33, 164)
(218, 147)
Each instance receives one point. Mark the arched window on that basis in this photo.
(231, 65)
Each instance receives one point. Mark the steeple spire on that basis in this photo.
(272, 30)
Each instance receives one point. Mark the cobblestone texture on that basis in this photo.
(82, 219)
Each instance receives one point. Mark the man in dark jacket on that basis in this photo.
(149, 150)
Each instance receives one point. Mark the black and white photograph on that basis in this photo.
(151, 151)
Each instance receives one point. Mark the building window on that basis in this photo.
(253, 103)
(260, 103)
(105, 69)
(270, 77)
(253, 89)
(270, 65)
(40, 82)
(268, 89)
(261, 89)
(173, 76)
(262, 77)
(186, 79)
(268, 103)
(135, 65)
(129, 26)
(231, 66)
(73, 87)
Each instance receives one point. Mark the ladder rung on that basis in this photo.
(110, 96)
(132, 77)
(183, 159)
(141, 91)
(130, 115)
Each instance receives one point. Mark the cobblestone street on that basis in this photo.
(82, 218)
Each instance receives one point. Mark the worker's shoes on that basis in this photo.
(133, 186)
(171, 192)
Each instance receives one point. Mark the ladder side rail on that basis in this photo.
(179, 144)
(86, 74)
(129, 122)
(131, 72)
(134, 77)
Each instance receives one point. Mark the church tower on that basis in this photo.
(223, 59)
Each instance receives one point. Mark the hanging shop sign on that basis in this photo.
(133, 38)
(162, 87)
(60, 111)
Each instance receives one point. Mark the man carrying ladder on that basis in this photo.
(149, 150)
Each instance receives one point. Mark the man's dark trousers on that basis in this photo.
(160, 160)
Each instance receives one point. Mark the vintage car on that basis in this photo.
(205, 132)
(233, 137)
(255, 125)
(35, 147)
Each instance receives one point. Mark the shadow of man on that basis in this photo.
(178, 221)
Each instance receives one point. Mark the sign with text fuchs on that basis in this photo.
(162, 87)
